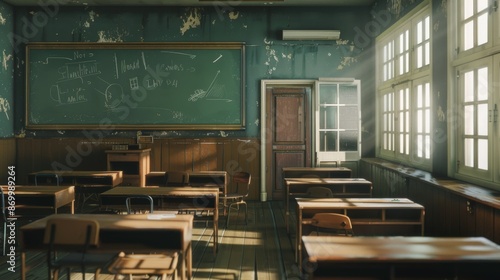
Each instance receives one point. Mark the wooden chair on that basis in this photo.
(318, 192)
(68, 241)
(331, 224)
(163, 264)
(236, 199)
(139, 206)
(176, 178)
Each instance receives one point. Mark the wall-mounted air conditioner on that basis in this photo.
(311, 34)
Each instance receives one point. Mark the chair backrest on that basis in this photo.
(318, 191)
(176, 178)
(71, 233)
(332, 223)
(242, 179)
(139, 206)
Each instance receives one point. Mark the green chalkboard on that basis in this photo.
(135, 85)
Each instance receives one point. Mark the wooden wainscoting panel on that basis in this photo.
(8, 158)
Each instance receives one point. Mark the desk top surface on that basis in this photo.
(123, 222)
(315, 169)
(325, 181)
(38, 190)
(159, 191)
(400, 249)
(357, 203)
(73, 173)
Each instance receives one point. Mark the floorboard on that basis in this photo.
(260, 249)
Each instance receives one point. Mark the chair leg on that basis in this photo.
(246, 212)
(228, 214)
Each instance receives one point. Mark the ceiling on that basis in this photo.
(195, 2)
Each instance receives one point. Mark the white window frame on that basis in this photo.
(460, 62)
(405, 148)
(329, 157)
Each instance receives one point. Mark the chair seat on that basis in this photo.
(156, 264)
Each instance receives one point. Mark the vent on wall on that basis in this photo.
(311, 34)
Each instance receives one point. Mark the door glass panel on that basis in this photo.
(328, 141)
(348, 141)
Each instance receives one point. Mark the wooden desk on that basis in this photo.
(369, 216)
(129, 233)
(398, 257)
(217, 179)
(341, 187)
(42, 197)
(87, 183)
(169, 198)
(79, 178)
(320, 172)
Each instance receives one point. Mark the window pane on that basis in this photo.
(328, 94)
(348, 141)
(469, 120)
(468, 35)
(482, 29)
(349, 117)
(482, 84)
(469, 86)
(420, 145)
(328, 117)
(420, 57)
(468, 8)
(482, 154)
(427, 53)
(427, 147)
(420, 30)
(427, 121)
(328, 141)
(482, 119)
(469, 152)
(427, 28)
(420, 121)
(481, 5)
(427, 95)
(348, 94)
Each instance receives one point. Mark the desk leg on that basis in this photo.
(190, 263)
(23, 265)
(287, 212)
(73, 207)
(216, 230)
(298, 240)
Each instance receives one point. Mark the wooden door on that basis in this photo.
(288, 135)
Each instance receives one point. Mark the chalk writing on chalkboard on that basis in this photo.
(135, 85)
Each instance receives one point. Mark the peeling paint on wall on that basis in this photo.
(2, 19)
(396, 6)
(192, 19)
(92, 16)
(5, 59)
(350, 57)
(272, 58)
(106, 37)
(233, 15)
(5, 106)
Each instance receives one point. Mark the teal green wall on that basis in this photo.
(267, 57)
(6, 72)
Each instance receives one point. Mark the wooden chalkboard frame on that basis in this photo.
(236, 46)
